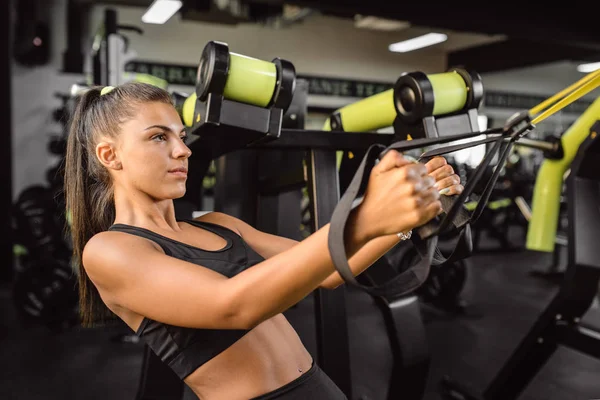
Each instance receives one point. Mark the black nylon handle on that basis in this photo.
(426, 239)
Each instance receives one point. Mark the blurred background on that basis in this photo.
(473, 317)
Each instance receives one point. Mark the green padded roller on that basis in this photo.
(374, 112)
(541, 233)
(449, 91)
(250, 80)
(414, 96)
(188, 110)
(418, 95)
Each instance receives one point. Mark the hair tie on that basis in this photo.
(106, 89)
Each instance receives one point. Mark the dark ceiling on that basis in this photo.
(537, 33)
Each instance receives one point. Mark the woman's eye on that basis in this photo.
(160, 137)
(184, 138)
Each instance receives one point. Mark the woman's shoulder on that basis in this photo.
(222, 219)
(107, 246)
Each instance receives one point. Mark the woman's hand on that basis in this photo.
(447, 182)
(400, 196)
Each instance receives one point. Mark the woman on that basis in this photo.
(208, 294)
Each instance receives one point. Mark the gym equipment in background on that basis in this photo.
(45, 288)
(559, 154)
(504, 210)
(111, 52)
(560, 323)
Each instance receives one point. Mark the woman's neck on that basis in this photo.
(143, 211)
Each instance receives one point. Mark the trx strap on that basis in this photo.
(425, 238)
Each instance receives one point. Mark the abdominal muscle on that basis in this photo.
(266, 358)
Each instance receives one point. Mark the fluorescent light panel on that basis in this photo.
(160, 11)
(590, 67)
(417, 43)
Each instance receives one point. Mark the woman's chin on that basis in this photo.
(175, 193)
(179, 194)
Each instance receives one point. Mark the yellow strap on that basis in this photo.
(573, 96)
(546, 103)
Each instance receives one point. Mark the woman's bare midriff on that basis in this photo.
(266, 358)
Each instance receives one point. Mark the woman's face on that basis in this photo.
(152, 152)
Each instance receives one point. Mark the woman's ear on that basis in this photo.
(106, 154)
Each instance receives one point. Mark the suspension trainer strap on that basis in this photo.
(426, 244)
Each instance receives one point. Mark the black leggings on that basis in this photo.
(313, 385)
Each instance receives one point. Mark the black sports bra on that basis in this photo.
(186, 349)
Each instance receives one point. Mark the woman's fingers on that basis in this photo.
(442, 172)
(447, 182)
(435, 163)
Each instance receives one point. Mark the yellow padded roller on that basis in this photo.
(187, 112)
(449, 92)
(417, 95)
(414, 97)
(250, 80)
(244, 79)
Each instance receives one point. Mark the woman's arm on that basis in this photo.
(268, 245)
(132, 273)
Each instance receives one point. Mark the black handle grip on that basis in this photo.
(431, 228)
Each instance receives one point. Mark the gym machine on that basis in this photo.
(108, 57)
(111, 52)
(239, 103)
(560, 322)
(418, 106)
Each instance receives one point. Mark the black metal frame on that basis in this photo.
(73, 57)
(100, 58)
(559, 324)
(282, 177)
(330, 305)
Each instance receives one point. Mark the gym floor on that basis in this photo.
(504, 300)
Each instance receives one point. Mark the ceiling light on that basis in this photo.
(418, 42)
(160, 11)
(590, 67)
